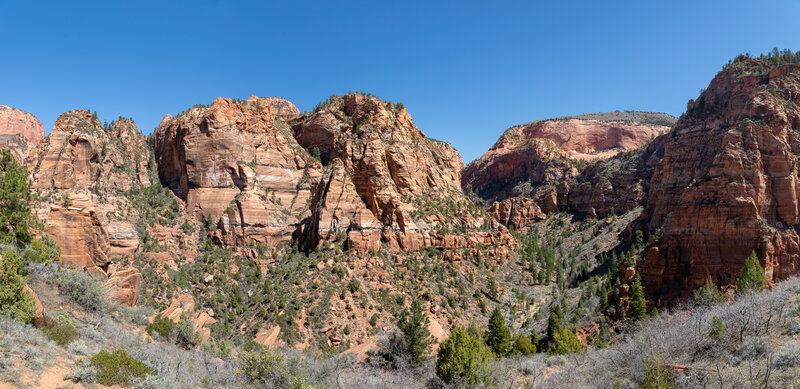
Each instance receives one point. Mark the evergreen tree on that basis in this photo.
(603, 337)
(566, 342)
(708, 295)
(554, 322)
(15, 196)
(498, 337)
(492, 288)
(14, 301)
(414, 326)
(462, 355)
(752, 277)
(637, 309)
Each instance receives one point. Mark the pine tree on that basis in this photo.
(414, 326)
(752, 277)
(637, 309)
(498, 336)
(462, 356)
(554, 321)
(492, 288)
(708, 295)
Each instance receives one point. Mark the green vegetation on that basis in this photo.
(498, 336)
(14, 300)
(708, 295)
(118, 368)
(80, 288)
(752, 278)
(15, 198)
(62, 334)
(463, 355)
(637, 309)
(161, 326)
(414, 326)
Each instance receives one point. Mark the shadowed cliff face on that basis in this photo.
(728, 183)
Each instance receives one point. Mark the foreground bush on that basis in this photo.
(462, 357)
(62, 334)
(118, 368)
(80, 288)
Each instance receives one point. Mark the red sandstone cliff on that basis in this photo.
(586, 165)
(20, 131)
(728, 183)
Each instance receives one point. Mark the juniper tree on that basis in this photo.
(708, 295)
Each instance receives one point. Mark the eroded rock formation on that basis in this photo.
(728, 183)
(20, 132)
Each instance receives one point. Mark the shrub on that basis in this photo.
(566, 342)
(118, 368)
(160, 325)
(462, 356)
(14, 300)
(498, 337)
(263, 366)
(353, 286)
(80, 288)
(657, 376)
(154, 382)
(84, 372)
(523, 345)
(62, 334)
(414, 326)
(44, 250)
(752, 277)
(788, 357)
(750, 349)
(185, 336)
(15, 195)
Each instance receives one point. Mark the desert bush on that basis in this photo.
(118, 368)
(62, 334)
(154, 382)
(184, 335)
(750, 349)
(80, 288)
(137, 315)
(83, 372)
(788, 356)
(78, 347)
(161, 326)
(44, 250)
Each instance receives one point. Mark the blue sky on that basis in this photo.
(465, 70)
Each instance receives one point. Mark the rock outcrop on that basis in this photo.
(237, 163)
(81, 154)
(124, 286)
(77, 230)
(383, 180)
(20, 132)
(183, 307)
(579, 163)
(728, 183)
(356, 169)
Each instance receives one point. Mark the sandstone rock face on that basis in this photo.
(728, 183)
(39, 312)
(79, 233)
(355, 169)
(20, 132)
(239, 164)
(80, 154)
(586, 165)
(383, 181)
(182, 307)
(124, 286)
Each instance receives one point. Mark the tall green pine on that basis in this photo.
(414, 326)
(637, 309)
(498, 336)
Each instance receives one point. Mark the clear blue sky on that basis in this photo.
(465, 70)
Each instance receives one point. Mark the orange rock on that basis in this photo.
(124, 286)
(269, 337)
(39, 313)
(727, 185)
(79, 233)
(20, 132)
